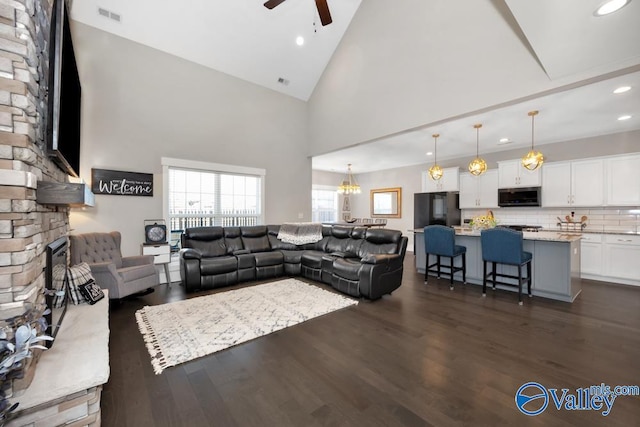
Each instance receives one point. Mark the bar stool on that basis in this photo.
(504, 246)
(439, 240)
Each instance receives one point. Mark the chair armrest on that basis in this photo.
(190, 253)
(379, 258)
(107, 277)
(241, 252)
(132, 261)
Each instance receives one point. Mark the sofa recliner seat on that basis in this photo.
(355, 260)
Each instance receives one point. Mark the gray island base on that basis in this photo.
(555, 265)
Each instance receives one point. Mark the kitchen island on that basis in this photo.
(555, 265)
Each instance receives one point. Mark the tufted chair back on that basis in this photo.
(502, 245)
(439, 240)
(96, 247)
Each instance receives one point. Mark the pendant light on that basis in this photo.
(477, 166)
(435, 171)
(533, 159)
(349, 184)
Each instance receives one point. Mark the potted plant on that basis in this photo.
(19, 337)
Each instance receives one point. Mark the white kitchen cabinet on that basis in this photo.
(621, 255)
(512, 174)
(448, 182)
(591, 254)
(578, 183)
(623, 180)
(479, 191)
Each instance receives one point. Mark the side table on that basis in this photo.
(161, 255)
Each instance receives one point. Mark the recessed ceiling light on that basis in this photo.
(622, 89)
(504, 141)
(429, 153)
(610, 6)
(625, 117)
(299, 40)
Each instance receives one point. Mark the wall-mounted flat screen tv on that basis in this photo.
(63, 122)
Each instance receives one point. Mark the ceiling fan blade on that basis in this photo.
(323, 11)
(272, 3)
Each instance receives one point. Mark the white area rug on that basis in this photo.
(177, 332)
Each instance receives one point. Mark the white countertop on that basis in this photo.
(549, 236)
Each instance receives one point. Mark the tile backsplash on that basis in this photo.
(610, 219)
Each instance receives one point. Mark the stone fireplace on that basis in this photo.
(25, 226)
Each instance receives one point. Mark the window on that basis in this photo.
(324, 205)
(200, 194)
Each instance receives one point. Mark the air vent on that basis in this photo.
(283, 81)
(108, 14)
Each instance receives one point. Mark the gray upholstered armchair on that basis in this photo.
(122, 276)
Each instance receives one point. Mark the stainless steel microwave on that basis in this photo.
(512, 197)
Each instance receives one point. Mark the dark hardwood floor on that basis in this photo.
(424, 356)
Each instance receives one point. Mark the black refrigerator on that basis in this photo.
(435, 208)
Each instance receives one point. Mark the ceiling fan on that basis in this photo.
(323, 9)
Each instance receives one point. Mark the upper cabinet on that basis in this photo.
(577, 183)
(479, 191)
(623, 180)
(512, 174)
(448, 182)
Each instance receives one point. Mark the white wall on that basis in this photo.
(140, 104)
(419, 62)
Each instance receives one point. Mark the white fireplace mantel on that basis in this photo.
(69, 376)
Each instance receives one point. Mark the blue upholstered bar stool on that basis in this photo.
(439, 240)
(504, 246)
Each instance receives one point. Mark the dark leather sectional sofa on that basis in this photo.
(357, 261)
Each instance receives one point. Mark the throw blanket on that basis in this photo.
(300, 233)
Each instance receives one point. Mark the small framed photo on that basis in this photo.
(346, 216)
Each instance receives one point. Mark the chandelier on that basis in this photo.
(477, 166)
(349, 184)
(435, 171)
(533, 159)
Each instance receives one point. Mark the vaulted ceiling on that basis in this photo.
(244, 39)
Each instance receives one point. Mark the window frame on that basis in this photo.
(168, 163)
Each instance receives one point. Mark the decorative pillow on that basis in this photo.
(59, 276)
(91, 292)
(77, 275)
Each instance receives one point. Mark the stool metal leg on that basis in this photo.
(438, 266)
(451, 278)
(520, 285)
(464, 268)
(529, 279)
(484, 278)
(494, 275)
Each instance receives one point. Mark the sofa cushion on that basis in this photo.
(276, 243)
(218, 265)
(347, 268)
(292, 257)
(255, 238)
(209, 241)
(312, 259)
(268, 258)
(232, 239)
(380, 241)
(129, 274)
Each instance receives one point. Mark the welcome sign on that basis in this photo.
(119, 183)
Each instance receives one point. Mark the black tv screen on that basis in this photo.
(63, 122)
